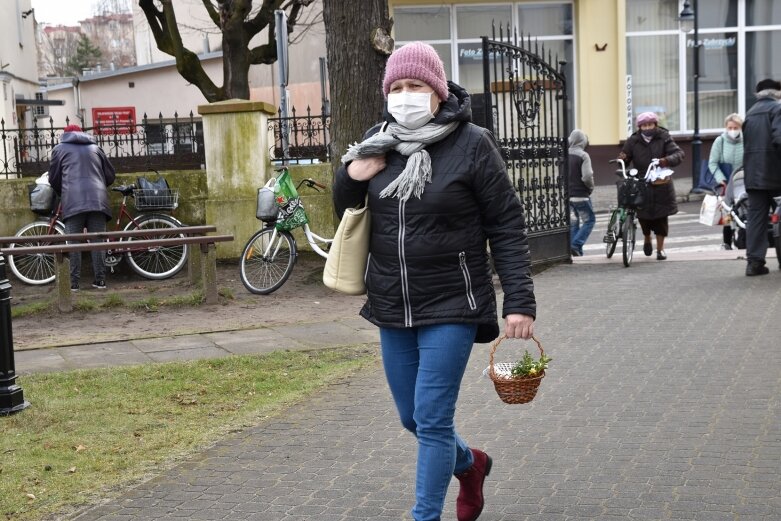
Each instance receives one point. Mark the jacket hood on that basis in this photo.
(769, 93)
(578, 139)
(77, 138)
(457, 107)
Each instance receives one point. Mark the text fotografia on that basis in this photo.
(713, 43)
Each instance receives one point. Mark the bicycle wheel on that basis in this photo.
(613, 232)
(267, 261)
(159, 262)
(629, 239)
(38, 268)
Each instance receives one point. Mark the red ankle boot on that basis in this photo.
(469, 504)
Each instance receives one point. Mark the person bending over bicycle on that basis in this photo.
(648, 143)
(79, 171)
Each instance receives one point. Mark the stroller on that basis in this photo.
(734, 202)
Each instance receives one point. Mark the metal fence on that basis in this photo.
(308, 137)
(162, 143)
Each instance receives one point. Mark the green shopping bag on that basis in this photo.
(291, 211)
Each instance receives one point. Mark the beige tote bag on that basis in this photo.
(345, 268)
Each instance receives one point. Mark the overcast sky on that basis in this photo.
(65, 12)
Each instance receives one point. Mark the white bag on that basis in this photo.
(710, 211)
(345, 267)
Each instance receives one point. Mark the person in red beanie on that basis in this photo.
(438, 191)
(79, 172)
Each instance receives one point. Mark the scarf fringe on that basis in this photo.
(417, 172)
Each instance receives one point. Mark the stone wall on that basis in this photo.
(193, 201)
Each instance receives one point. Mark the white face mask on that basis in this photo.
(734, 134)
(410, 109)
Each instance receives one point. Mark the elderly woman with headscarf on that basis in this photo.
(651, 142)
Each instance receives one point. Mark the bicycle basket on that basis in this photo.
(267, 209)
(631, 193)
(145, 199)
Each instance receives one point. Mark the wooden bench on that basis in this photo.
(202, 261)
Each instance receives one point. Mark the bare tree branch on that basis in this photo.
(213, 14)
(264, 17)
(169, 40)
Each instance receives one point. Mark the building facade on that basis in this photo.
(18, 63)
(623, 56)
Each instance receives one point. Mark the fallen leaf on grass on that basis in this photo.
(79, 448)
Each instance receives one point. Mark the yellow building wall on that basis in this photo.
(600, 66)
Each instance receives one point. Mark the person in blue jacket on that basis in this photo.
(79, 171)
(438, 191)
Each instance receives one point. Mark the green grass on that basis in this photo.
(33, 308)
(115, 300)
(88, 433)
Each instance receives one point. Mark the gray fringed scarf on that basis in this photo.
(412, 180)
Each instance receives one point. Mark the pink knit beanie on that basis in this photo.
(416, 60)
(647, 117)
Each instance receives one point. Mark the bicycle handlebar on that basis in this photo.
(311, 183)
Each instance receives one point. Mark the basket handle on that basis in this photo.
(499, 341)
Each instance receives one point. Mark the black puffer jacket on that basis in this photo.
(428, 262)
(762, 143)
(80, 171)
(660, 199)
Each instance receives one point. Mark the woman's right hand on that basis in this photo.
(366, 168)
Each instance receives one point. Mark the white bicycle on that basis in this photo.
(270, 254)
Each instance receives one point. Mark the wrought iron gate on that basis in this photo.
(525, 105)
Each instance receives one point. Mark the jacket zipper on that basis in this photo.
(470, 298)
(403, 265)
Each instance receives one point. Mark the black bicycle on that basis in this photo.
(623, 220)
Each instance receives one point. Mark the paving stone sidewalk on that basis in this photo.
(662, 402)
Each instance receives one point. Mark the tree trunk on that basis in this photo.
(355, 67)
(235, 56)
(235, 67)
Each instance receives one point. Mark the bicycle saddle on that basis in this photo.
(124, 189)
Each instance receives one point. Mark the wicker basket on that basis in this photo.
(513, 389)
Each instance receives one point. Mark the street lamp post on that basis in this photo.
(11, 395)
(689, 15)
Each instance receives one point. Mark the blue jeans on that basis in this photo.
(424, 367)
(581, 211)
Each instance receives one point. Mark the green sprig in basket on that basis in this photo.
(513, 389)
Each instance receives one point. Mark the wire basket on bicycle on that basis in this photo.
(148, 199)
(632, 192)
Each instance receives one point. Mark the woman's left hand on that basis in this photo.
(517, 325)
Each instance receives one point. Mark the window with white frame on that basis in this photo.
(736, 42)
(455, 31)
(40, 110)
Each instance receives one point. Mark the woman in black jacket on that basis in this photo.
(437, 191)
(654, 142)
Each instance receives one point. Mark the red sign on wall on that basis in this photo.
(114, 120)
